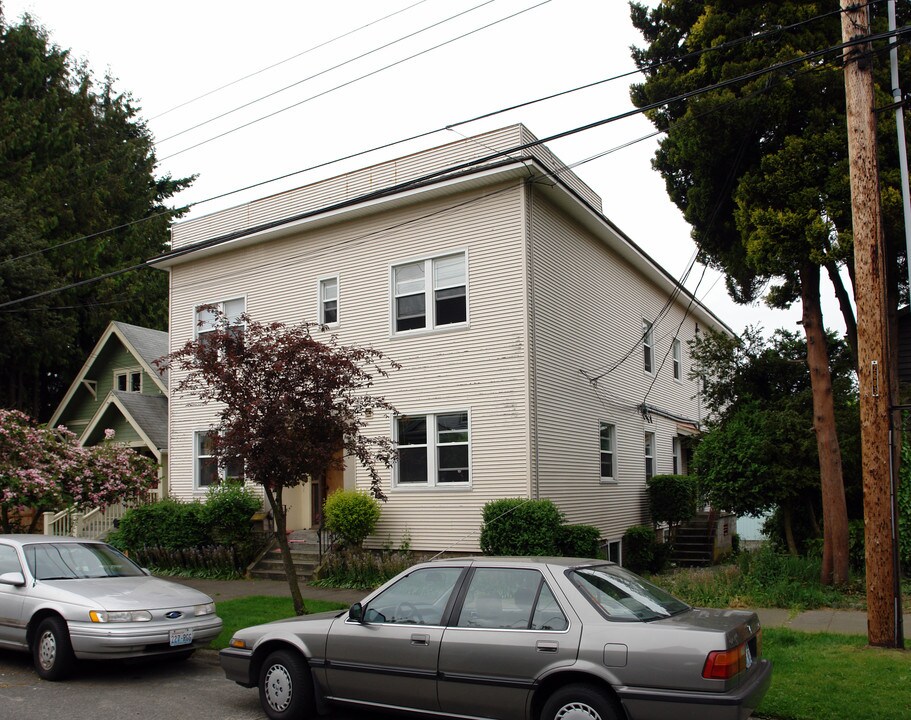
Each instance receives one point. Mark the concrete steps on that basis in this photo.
(304, 554)
(694, 543)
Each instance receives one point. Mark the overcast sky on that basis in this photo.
(374, 85)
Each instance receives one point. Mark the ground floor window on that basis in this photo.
(208, 472)
(434, 449)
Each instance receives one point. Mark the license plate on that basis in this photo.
(749, 658)
(180, 637)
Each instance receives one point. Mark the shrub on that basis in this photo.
(672, 499)
(167, 523)
(642, 552)
(516, 526)
(362, 569)
(352, 515)
(227, 512)
(579, 541)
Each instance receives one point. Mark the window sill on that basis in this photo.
(608, 481)
(421, 332)
(432, 488)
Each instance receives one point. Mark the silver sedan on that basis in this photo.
(510, 639)
(63, 599)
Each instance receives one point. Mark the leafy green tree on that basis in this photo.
(760, 452)
(75, 160)
(759, 170)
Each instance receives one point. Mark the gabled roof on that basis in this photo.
(144, 344)
(147, 414)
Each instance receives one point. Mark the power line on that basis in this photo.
(286, 60)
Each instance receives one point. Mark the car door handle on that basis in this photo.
(548, 646)
(420, 639)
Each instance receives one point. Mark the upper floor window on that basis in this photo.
(128, 380)
(205, 316)
(677, 452)
(648, 349)
(328, 301)
(677, 358)
(607, 451)
(649, 455)
(433, 449)
(208, 472)
(430, 293)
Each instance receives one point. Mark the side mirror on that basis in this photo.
(356, 613)
(16, 579)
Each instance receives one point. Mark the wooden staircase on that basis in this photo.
(694, 542)
(304, 554)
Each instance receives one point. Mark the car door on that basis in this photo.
(390, 656)
(12, 624)
(508, 630)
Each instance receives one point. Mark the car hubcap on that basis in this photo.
(47, 650)
(278, 688)
(577, 711)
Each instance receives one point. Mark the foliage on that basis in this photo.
(904, 505)
(579, 541)
(243, 612)
(642, 552)
(76, 160)
(351, 515)
(672, 498)
(211, 562)
(517, 526)
(290, 406)
(359, 569)
(45, 470)
(227, 511)
(169, 524)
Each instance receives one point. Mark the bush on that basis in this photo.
(517, 526)
(642, 552)
(362, 569)
(582, 541)
(227, 512)
(672, 499)
(351, 515)
(167, 524)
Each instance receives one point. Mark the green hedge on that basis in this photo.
(517, 526)
(351, 515)
(582, 541)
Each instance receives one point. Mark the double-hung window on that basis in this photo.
(208, 472)
(328, 301)
(649, 455)
(648, 348)
(206, 316)
(677, 358)
(433, 450)
(430, 293)
(677, 452)
(607, 451)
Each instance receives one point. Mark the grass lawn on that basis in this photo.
(256, 609)
(820, 676)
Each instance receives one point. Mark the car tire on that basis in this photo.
(52, 652)
(580, 702)
(285, 686)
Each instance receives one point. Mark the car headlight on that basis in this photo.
(238, 643)
(120, 616)
(206, 609)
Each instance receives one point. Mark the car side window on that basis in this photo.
(419, 598)
(9, 560)
(505, 598)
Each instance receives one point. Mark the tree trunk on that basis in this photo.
(789, 529)
(281, 535)
(847, 308)
(814, 521)
(835, 561)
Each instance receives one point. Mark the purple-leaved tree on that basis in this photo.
(291, 407)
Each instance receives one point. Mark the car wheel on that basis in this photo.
(285, 686)
(52, 651)
(580, 702)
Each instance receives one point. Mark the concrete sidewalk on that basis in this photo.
(848, 622)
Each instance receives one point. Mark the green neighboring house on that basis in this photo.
(119, 388)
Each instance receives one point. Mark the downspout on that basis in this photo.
(532, 341)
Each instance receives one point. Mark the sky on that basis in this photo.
(339, 78)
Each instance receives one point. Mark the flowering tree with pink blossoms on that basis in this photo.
(44, 469)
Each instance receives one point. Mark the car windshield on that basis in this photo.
(73, 560)
(621, 595)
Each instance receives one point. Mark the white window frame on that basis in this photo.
(613, 451)
(222, 472)
(128, 374)
(429, 289)
(610, 547)
(648, 347)
(432, 445)
(677, 358)
(649, 453)
(677, 455)
(321, 300)
(220, 304)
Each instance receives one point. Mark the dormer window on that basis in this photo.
(128, 381)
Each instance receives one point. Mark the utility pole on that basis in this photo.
(874, 376)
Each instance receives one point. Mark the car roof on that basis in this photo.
(26, 539)
(501, 560)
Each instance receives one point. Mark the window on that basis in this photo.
(208, 472)
(678, 456)
(607, 451)
(328, 301)
(205, 317)
(615, 551)
(649, 455)
(647, 348)
(9, 560)
(419, 304)
(419, 598)
(433, 449)
(510, 598)
(677, 357)
(128, 381)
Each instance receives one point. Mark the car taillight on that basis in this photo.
(725, 664)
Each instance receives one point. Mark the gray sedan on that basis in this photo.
(510, 639)
(63, 599)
